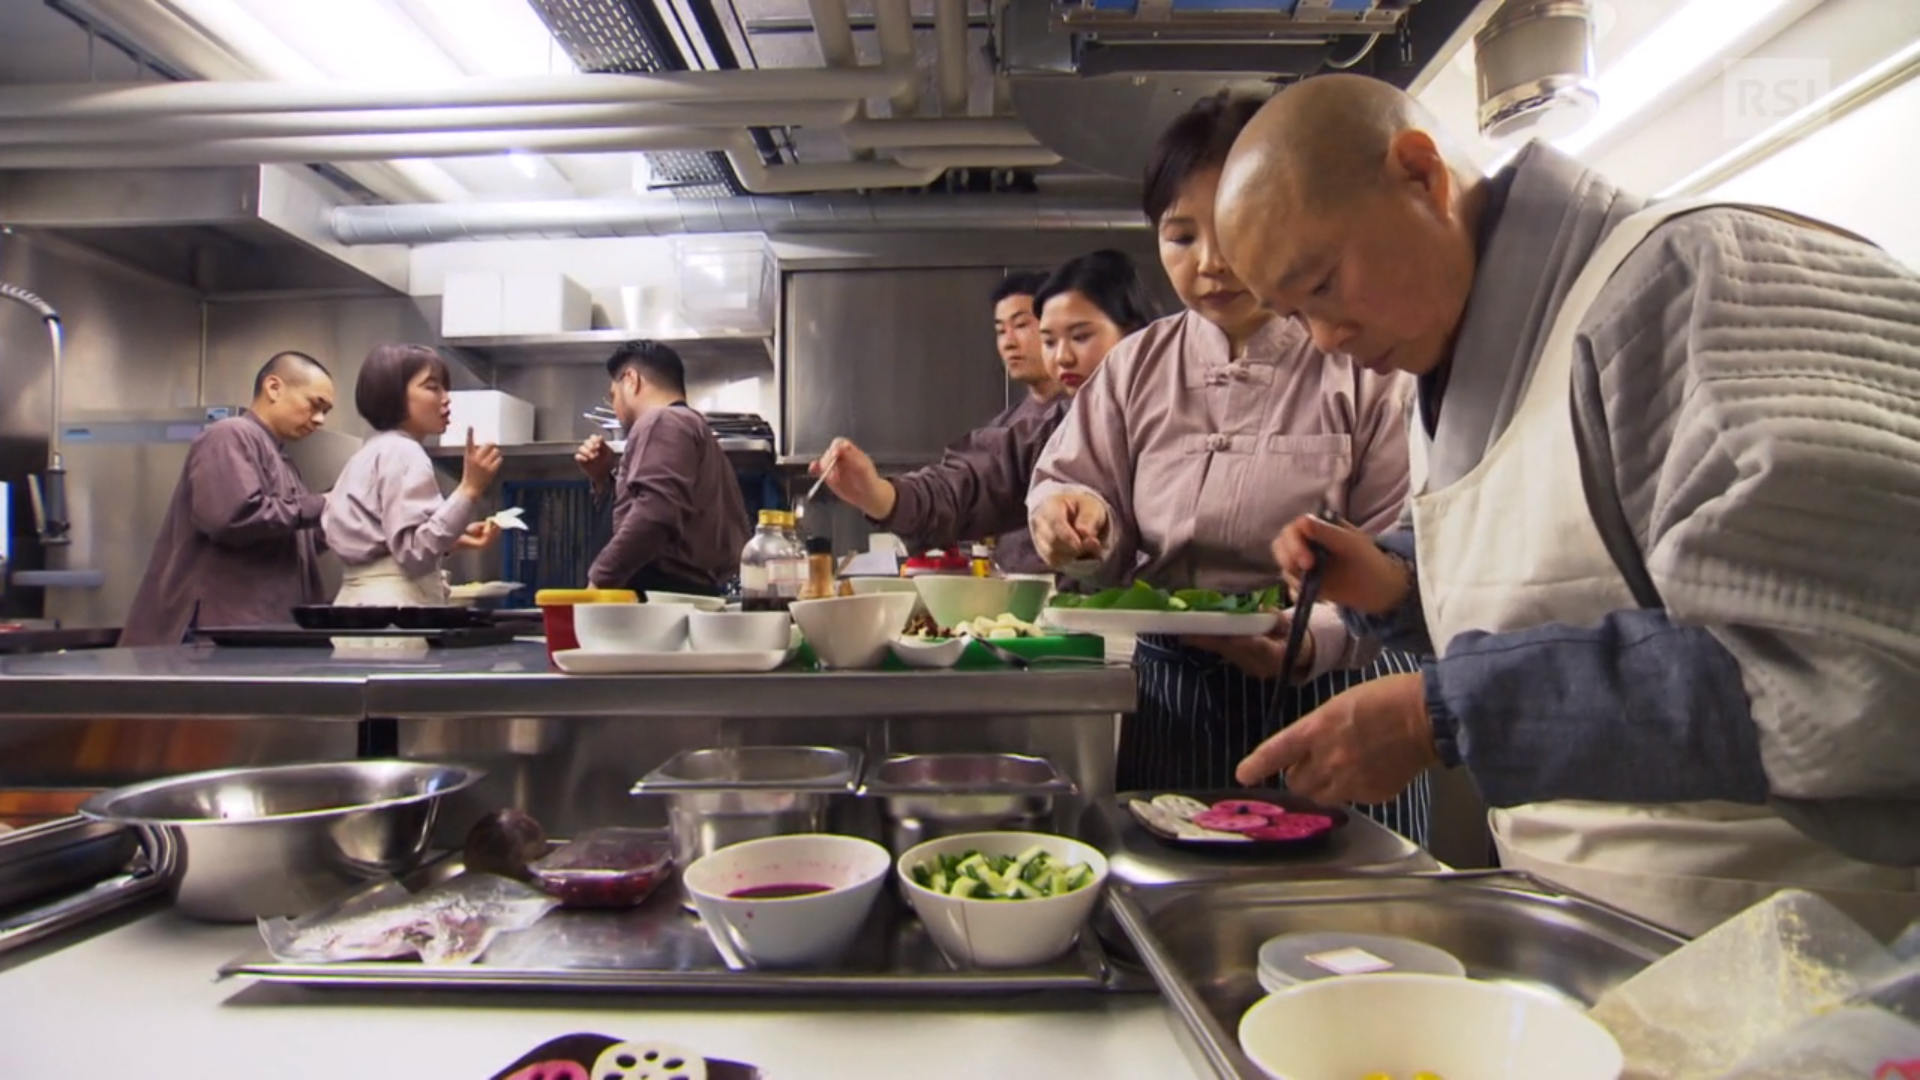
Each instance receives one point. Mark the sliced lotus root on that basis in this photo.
(1293, 827)
(1251, 806)
(1228, 821)
(1189, 831)
(648, 1061)
(1156, 817)
(1180, 806)
(551, 1070)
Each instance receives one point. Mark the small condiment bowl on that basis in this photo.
(934, 653)
(787, 931)
(739, 631)
(631, 627)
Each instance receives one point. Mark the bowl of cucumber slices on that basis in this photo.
(1003, 899)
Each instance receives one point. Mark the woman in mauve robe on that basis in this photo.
(1202, 437)
(385, 517)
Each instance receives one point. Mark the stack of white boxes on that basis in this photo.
(484, 304)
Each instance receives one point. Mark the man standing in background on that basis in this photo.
(1016, 327)
(679, 521)
(240, 544)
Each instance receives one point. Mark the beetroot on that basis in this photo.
(503, 843)
(1250, 806)
(1293, 827)
(1228, 821)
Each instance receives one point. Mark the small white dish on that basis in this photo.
(934, 653)
(684, 662)
(1331, 1029)
(1003, 933)
(787, 931)
(739, 631)
(631, 628)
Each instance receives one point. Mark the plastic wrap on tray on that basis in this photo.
(450, 923)
(606, 868)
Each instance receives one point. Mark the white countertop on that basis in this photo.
(143, 997)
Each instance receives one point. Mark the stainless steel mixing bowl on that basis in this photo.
(284, 840)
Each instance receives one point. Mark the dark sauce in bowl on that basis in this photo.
(777, 892)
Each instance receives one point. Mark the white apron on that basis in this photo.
(1512, 545)
(382, 583)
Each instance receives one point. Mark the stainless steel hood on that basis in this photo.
(223, 231)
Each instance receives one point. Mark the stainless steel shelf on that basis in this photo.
(206, 682)
(593, 347)
(735, 448)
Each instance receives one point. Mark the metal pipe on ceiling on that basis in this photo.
(123, 101)
(833, 32)
(957, 131)
(427, 223)
(950, 38)
(976, 157)
(301, 150)
(222, 126)
(893, 20)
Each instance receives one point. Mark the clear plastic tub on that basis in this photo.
(606, 868)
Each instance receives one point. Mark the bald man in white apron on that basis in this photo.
(1661, 562)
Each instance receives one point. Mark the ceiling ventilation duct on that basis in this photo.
(1534, 62)
(1150, 60)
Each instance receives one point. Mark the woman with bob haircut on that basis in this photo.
(1205, 434)
(385, 516)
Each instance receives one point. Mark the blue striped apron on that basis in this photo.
(1198, 715)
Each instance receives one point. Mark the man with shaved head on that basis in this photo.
(1664, 544)
(240, 544)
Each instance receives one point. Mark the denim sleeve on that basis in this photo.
(1404, 629)
(1634, 709)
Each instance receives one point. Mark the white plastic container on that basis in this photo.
(544, 304)
(494, 416)
(727, 283)
(470, 304)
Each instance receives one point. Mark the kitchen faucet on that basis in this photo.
(49, 491)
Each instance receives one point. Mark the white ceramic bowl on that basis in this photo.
(952, 600)
(792, 931)
(1030, 592)
(739, 631)
(852, 631)
(869, 586)
(1343, 1028)
(929, 653)
(631, 627)
(698, 603)
(1003, 933)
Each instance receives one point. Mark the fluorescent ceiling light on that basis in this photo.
(528, 165)
(1671, 53)
(491, 37)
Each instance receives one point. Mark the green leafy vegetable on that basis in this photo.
(1143, 597)
(1031, 875)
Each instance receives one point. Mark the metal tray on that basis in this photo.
(754, 768)
(965, 774)
(1201, 942)
(294, 637)
(1137, 857)
(59, 875)
(660, 948)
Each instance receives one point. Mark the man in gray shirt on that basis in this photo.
(1664, 546)
(240, 544)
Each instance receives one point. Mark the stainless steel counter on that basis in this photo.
(207, 682)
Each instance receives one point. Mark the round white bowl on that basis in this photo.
(870, 586)
(792, 931)
(739, 631)
(928, 653)
(1003, 933)
(698, 603)
(952, 599)
(1342, 1028)
(852, 631)
(631, 627)
(1030, 593)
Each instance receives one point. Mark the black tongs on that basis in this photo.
(1303, 604)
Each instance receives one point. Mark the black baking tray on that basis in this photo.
(294, 637)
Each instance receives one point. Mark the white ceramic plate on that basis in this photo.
(1081, 620)
(682, 662)
(482, 590)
